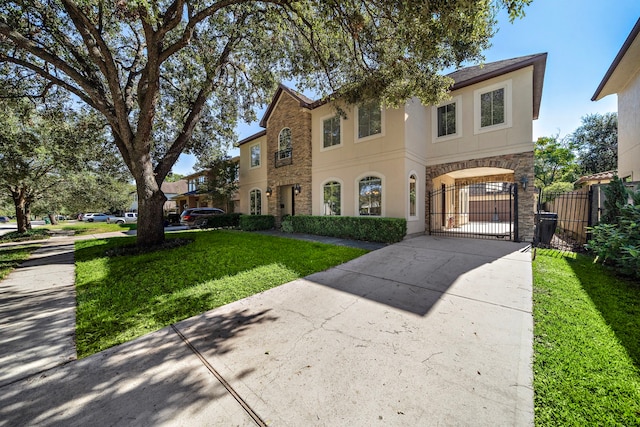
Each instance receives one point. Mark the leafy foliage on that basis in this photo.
(222, 181)
(257, 222)
(384, 230)
(554, 162)
(231, 220)
(596, 142)
(617, 238)
(174, 76)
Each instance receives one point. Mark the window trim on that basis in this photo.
(322, 120)
(382, 197)
(250, 195)
(507, 86)
(457, 100)
(251, 166)
(325, 182)
(357, 125)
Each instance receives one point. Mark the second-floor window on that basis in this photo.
(255, 155)
(492, 108)
(446, 119)
(331, 132)
(284, 144)
(369, 119)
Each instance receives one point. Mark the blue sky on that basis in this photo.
(582, 37)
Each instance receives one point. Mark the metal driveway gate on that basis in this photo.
(485, 210)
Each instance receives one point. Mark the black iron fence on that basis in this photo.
(562, 219)
(481, 211)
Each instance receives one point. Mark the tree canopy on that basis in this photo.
(173, 76)
(554, 162)
(596, 143)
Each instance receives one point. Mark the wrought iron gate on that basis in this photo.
(483, 211)
(562, 219)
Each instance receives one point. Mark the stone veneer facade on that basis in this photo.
(289, 114)
(520, 163)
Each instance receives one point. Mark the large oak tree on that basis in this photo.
(171, 76)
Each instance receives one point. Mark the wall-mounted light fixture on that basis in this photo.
(297, 189)
(269, 192)
(524, 180)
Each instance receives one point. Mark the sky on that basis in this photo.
(581, 37)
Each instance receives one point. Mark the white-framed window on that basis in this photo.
(492, 107)
(446, 120)
(284, 144)
(255, 155)
(369, 120)
(332, 198)
(331, 135)
(255, 202)
(370, 196)
(413, 195)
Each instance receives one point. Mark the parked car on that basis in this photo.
(95, 217)
(197, 217)
(4, 219)
(127, 217)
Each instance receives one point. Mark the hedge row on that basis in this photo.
(257, 222)
(384, 230)
(223, 221)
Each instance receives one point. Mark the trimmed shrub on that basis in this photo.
(231, 220)
(383, 230)
(257, 222)
(286, 225)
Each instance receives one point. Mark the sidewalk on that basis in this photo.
(429, 331)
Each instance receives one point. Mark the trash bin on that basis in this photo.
(46, 220)
(546, 226)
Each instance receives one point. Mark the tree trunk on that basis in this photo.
(19, 201)
(53, 219)
(150, 230)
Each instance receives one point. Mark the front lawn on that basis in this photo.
(586, 343)
(120, 298)
(80, 227)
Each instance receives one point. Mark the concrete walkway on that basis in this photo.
(429, 331)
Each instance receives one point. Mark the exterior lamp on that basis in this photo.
(269, 192)
(297, 189)
(524, 181)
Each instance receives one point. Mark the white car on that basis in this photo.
(96, 217)
(127, 217)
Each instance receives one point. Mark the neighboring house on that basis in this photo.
(623, 78)
(170, 190)
(390, 162)
(594, 179)
(195, 194)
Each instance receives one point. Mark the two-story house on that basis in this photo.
(375, 161)
(623, 78)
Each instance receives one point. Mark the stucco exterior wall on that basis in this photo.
(629, 129)
(253, 177)
(470, 144)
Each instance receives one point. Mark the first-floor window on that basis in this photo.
(255, 202)
(331, 200)
(412, 195)
(370, 196)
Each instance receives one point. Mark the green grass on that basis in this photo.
(91, 227)
(34, 234)
(123, 297)
(586, 343)
(12, 256)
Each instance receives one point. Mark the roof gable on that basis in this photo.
(624, 66)
(300, 98)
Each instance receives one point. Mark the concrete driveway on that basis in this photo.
(429, 331)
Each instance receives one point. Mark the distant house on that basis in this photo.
(623, 78)
(594, 179)
(170, 190)
(194, 194)
(390, 162)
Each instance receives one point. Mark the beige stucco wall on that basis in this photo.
(255, 177)
(629, 129)
(515, 139)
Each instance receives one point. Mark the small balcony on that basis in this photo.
(283, 157)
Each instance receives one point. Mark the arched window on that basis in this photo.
(370, 196)
(284, 144)
(331, 198)
(413, 182)
(255, 202)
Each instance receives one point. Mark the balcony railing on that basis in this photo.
(283, 157)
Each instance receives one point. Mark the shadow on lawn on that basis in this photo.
(617, 300)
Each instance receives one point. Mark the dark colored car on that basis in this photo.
(197, 217)
(4, 219)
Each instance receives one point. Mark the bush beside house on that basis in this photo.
(257, 222)
(383, 230)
